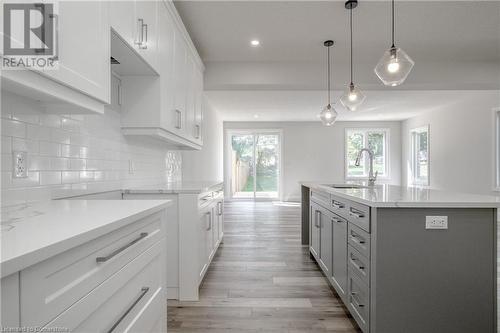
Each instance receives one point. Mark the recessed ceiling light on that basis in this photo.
(256, 116)
(255, 42)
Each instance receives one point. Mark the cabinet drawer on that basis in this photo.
(359, 301)
(120, 301)
(359, 215)
(358, 264)
(50, 287)
(359, 239)
(321, 198)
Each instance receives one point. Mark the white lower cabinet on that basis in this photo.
(194, 233)
(114, 283)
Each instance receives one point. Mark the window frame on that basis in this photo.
(413, 160)
(496, 149)
(387, 145)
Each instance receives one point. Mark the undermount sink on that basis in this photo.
(346, 186)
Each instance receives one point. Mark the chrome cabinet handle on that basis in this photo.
(140, 32)
(209, 221)
(337, 220)
(355, 301)
(338, 205)
(144, 291)
(121, 249)
(356, 238)
(144, 33)
(317, 221)
(353, 260)
(56, 18)
(356, 214)
(198, 131)
(179, 121)
(219, 208)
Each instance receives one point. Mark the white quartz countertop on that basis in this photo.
(384, 195)
(31, 233)
(195, 187)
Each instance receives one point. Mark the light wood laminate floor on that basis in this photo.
(262, 280)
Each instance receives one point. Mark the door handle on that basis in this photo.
(337, 205)
(355, 214)
(178, 124)
(317, 221)
(209, 220)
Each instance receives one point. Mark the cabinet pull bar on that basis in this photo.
(337, 205)
(355, 301)
(357, 239)
(56, 18)
(144, 33)
(121, 249)
(144, 291)
(140, 34)
(209, 220)
(355, 214)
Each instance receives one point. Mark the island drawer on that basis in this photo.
(358, 264)
(321, 198)
(359, 215)
(120, 301)
(53, 285)
(359, 239)
(339, 206)
(359, 301)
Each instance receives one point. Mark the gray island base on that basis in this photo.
(398, 273)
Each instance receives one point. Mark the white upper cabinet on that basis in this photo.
(136, 22)
(82, 48)
(80, 82)
(172, 111)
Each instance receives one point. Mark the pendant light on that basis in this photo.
(395, 65)
(328, 115)
(352, 97)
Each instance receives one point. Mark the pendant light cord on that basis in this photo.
(392, 23)
(350, 24)
(328, 66)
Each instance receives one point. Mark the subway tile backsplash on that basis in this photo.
(76, 152)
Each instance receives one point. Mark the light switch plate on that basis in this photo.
(436, 222)
(20, 164)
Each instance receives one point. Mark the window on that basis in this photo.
(420, 155)
(374, 139)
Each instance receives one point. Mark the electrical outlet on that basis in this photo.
(436, 222)
(20, 161)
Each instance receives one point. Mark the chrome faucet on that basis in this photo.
(371, 177)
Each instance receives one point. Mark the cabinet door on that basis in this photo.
(180, 93)
(147, 12)
(166, 67)
(315, 220)
(190, 97)
(198, 106)
(326, 242)
(203, 240)
(82, 47)
(339, 265)
(122, 19)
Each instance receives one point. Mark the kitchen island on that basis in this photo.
(405, 259)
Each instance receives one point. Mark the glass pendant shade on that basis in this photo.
(352, 97)
(394, 67)
(328, 115)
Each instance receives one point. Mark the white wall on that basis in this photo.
(461, 143)
(68, 153)
(312, 151)
(206, 164)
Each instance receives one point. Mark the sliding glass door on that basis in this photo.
(255, 164)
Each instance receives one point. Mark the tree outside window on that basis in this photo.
(374, 139)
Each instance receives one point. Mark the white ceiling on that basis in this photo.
(455, 44)
(306, 105)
